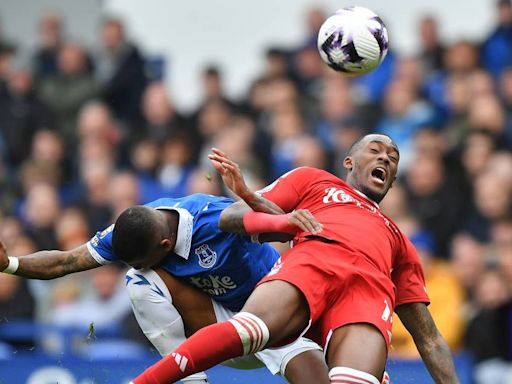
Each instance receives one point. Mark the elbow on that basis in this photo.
(228, 219)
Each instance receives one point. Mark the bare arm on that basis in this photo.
(432, 347)
(47, 265)
(232, 177)
(232, 218)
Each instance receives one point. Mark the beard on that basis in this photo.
(375, 196)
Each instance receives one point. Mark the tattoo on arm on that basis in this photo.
(260, 204)
(51, 264)
(432, 347)
(232, 218)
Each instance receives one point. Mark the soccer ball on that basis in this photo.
(354, 41)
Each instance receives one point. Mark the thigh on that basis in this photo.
(195, 307)
(282, 307)
(358, 346)
(294, 360)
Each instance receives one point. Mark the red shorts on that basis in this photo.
(340, 288)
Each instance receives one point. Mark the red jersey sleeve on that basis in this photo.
(408, 276)
(285, 191)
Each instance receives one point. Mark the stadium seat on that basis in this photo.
(114, 350)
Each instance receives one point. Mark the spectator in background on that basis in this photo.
(277, 63)
(106, 306)
(488, 333)
(493, 201)
(497, 48)
(144, 161)
(202, 180)
(50, 35)
(460, 59)
(486, 112)
(16, 301)
(7, 55)
(432, 49)
(212, 87)
(336, 108)
(40, 213)
(288, 126)
(162, 119)
(468, 263)
(21, 115)
(71, 229)
(123, 193)
(404, 115)
(68, 90)
(436, 199)
(120, 72)
(477, 149)
(446, 295)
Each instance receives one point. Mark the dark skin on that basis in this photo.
(372, 167)
(194, 306)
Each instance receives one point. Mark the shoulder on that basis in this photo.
(307, 172)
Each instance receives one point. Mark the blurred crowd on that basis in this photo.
(86, 132)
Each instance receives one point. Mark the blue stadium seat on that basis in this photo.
(114, 350)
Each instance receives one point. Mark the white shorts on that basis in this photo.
(162, 324)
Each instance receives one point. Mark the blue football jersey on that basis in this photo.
(224, 265)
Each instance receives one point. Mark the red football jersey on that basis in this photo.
(355, 222)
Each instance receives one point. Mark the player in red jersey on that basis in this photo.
(339, 284)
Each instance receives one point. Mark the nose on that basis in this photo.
(383, 156)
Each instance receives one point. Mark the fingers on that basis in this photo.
(305, 220)
(218, 166)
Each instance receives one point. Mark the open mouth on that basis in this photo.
(379, 174)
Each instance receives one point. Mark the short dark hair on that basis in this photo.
(133, 234)
(358, 144)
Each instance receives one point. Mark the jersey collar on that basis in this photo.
(184, 235)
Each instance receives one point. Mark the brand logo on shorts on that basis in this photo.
(276, 268)
(206, 256)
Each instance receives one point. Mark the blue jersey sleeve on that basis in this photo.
(100, 246)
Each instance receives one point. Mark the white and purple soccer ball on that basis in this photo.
(354, 41)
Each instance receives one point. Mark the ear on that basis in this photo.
(348, 163)
(166, 244)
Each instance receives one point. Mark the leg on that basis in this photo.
(158, 314)
(278, 304)
(306, 368)
(195, 307)
(282, 307)
(356, 350)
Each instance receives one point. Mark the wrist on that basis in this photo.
(258, 222)
(13, 265)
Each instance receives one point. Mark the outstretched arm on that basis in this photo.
(47, 265)
(432, 347)
(255, 214)
(232, 177)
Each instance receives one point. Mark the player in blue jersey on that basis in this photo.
(176, 249)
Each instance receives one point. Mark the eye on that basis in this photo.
(374, 150)
(394, 159)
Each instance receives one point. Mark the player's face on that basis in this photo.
(373, 167)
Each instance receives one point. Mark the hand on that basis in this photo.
(4, 259)
(305, 220)
(230, 172)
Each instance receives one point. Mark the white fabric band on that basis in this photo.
(253, 332)
(14, 263)
(347, 375)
